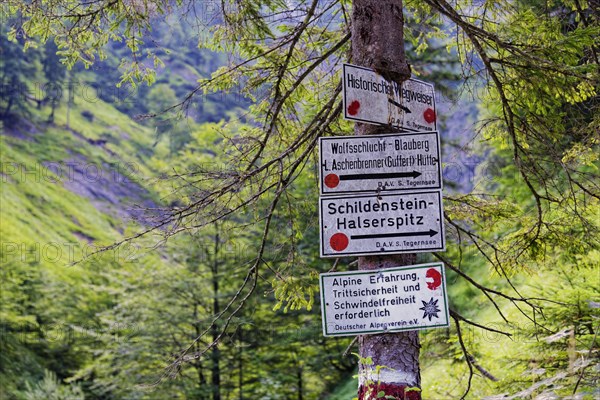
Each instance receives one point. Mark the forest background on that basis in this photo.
(225, 188)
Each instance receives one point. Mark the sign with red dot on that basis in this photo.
(385, 223)
(388, 300)
(429, 116)
(354, 107)
(339, 241)
(370, 98)
(331, 181)
(377, 163)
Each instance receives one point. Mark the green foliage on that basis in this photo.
(15, 68)
(49, 388)
(294, 295)
(346, 390)
(524, 245)
(82, 31)
(55, 74)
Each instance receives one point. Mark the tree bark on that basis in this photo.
(378, 43)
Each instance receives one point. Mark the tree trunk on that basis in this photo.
(198, 363)
(241, 364)
(8, 107)
(378, 43)
(299, 380)
(216, 352)
(53, 104)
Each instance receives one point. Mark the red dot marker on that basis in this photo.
(338, 242)
(353, 107)
(429, 115)
(332, 180)
(436, 278)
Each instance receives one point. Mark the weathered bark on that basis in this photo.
(378, 42)
(398, 353)
(378, 37)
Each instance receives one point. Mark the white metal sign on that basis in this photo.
(351, 164)
(388, 300)
(386, 223)
(369, 97)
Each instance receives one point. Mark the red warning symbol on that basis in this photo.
(429, 115)
(332, 180)
(338, 242)
(434, 278)
(353, 107)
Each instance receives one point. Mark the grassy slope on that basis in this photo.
(345, 391)
(45, 163)
(68, 188)
(62, 195)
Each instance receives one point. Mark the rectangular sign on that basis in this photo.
(369, 97)
(379, 224)
(353, 164)
(382, 301)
